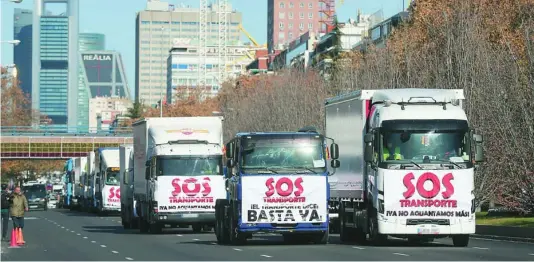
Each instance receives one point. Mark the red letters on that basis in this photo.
(284, 195)
(191, 186)
(436, 185)
(114, 192)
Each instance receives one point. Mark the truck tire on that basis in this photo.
(374, 236)
(197, 228)
(344, 232)
(460, 240)
(126, 225)
(322, 238)
(220, 225)
(236, 238)
(134, 223)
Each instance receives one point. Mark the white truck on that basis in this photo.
(107, 185)
(128, 215)
(178, 171)
(90, 179)
(407, 165)
(79, 173)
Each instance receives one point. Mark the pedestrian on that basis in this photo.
(6, 203)
(19, 205)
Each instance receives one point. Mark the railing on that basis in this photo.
(63, 131)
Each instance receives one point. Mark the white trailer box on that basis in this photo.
(126, 178)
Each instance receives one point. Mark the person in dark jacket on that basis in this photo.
(6, 203)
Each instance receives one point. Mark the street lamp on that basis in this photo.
(165, 78)
(13, 42)
(14, 1)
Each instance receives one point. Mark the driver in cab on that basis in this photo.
(391, 151)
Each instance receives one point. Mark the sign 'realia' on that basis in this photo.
(284, 199)
(97, 57)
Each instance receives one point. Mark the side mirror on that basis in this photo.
(125, 178)
(230, 163)
(147, 163)
(334, 151)
(335, 163)
(369, 138)
(479, 150)
(229, 150)
(368, 155)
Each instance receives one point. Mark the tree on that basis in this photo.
(136, 111)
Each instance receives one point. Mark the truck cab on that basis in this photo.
(107, 179)
(276, 182)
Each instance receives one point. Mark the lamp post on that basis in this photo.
(164, 82)
(13, 1)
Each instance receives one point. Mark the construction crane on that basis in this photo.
(223, 40)
(202, 42)
(254, 42)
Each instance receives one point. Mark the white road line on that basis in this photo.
(401, 254)
(265, 256)
(62, 227)
(482, 248)
(179, 235)
(531, 254)
(78, 234)
(237, 249)
(85, 237)
(103, 245)
(92, 241)
(360, 248)
(196, 239)
(114, 252)
(213, 243)
(129, 258)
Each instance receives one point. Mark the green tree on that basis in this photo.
(136, 111)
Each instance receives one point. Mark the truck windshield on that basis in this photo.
(423, 144)
(112, 178)
(283, 152)
(189, 166)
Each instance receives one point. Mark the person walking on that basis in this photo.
(19, 205)
(6, 203)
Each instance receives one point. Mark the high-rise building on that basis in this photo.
(91, 42)
(22, 53)
(55, 61)
(104, 75)
(87, 42)
(156, 27)
(287, 20)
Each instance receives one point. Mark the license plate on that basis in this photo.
(33, 206)
(189, 215)
(428, 230)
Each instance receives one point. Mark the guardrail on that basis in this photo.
(525, 234)
(63, 131)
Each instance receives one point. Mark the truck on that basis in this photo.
(128, 215)
(78, 183)
(277, 182)
(69, 179)
(178, 171)
(408, 159)
(107, 181)
(89, 199)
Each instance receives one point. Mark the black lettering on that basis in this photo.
(289, 216)
(262, 216)
(254, 206)
(304, 214)
(314, 216)
(252, 215)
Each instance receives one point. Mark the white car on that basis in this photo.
(52, 203)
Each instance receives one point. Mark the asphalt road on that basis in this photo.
(75, 236)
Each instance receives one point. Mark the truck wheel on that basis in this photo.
(321, 238)
(375, 237)
(344, 232)
(143, 226)
(460, 240)
(236, 237)
(197, 228)
(126, 225)
(220, 228)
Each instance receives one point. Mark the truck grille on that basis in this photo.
(442, 222)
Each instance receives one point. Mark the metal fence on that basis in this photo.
(63, 131)
(55, 147)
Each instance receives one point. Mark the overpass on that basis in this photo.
(57, 143)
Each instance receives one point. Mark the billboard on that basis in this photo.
(98, 67)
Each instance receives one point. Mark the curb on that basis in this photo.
(504, 238)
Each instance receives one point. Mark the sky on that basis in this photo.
(116, 20)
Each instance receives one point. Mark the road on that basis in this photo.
(75, 236)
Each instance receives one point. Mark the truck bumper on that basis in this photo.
(281, 228)
(399, 227)
(112, 209)
(185, 218)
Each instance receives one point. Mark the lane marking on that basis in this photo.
(62, 227)
(196, 239)
(531, 254)
(500, 240)
(114, 252)
(129, 258)
(237, 249)
(401, 254)
(213, 243)
(92, 241)
(360, 248)
(78, 234)
(179, 235)
(85, 237)
(265, 256)
(103, 245)
(482, 248)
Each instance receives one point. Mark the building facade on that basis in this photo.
(91, 42)
(55, 62)
(87, 42)
(287, 20)
(22, 53)
(156, 27)
(183, 61)
(104, 75)
(104, 110)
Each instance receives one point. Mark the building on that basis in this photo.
(55, 61)
(104, 75)
(156, 27)
(87, 42)
(183, 66)
(287, 20)
(22, 53)
(91, 42)
(104, 110)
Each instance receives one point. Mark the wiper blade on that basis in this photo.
(306, 168)
(266, 170)
(411, 161)
(452, 163)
